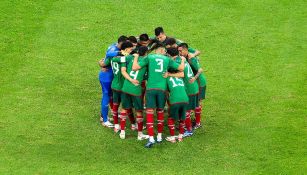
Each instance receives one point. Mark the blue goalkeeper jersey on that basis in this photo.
(107, 76)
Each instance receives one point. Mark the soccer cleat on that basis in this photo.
(133, 127)
(143, 137)
(107, 124)
(197, 125)
(187, 134)
(159, 140)
(149, 144)
(116, 129)
(122, 135)
(180, 139)
(171, 139)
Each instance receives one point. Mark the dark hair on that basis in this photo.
(125, 45)
(172, 51)
(170, 41)
(122, 38)
(143, 50)
(184, 45)
(144, 37)
(158, 30)
(132, 39)
(156, 46)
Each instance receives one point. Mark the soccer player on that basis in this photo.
(170, 42)
(157, 64)
(117, 83)
(199, 76)
(178, 101)
(132, 92)
(134, 41)
(144, 40)
(105, 78)
(191, 88)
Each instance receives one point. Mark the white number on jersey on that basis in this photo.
(134, 74)
(160, 63)
(175, 81)
(190, 73)
(115, 67)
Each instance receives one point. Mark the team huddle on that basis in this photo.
(143, 73)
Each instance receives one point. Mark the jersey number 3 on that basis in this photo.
(159, 63)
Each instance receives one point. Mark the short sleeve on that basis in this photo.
(172, 64)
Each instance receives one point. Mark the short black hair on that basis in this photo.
(125, 45)
(143, 50)
(170, 41)
(144, 37)
(157, 45)
(184, 45)
(158, 30)
(132, 39)
(122, 38)
(172, 51)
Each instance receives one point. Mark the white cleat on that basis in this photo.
(107, 124)
(122, 135)
(143, 137)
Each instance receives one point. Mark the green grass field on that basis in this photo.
(254, 54)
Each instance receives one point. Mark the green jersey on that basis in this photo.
(128, 87)
(157, 66)
(191, 88)
(177, 92)
(118, 79)
(194, 62)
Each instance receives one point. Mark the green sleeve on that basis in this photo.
(195, 64)
(143, 62)
(191, 50)
(172, 64)
(107, 61)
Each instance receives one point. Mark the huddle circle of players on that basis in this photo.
(146, 73)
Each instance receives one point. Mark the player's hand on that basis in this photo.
(135, 82)
(192, 79)
(103, 69)
(101, 62)
(165, 75)
(183, 58)
(191, 55)
(136, 55)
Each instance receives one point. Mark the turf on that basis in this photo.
(254, 54)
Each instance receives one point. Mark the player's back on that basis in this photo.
(157, 66)
(177, 92)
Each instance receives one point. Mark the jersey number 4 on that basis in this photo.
(134, 74)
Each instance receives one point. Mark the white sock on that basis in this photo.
(122, 131)
(151, 139)
(116, 126)
(159, 136)
(140, 133)
(180, 135)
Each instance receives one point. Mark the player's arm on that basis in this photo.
(181, 66)
(126, 75)
(193, 52)
(177, 74)
(101, 63)
(136, 66)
